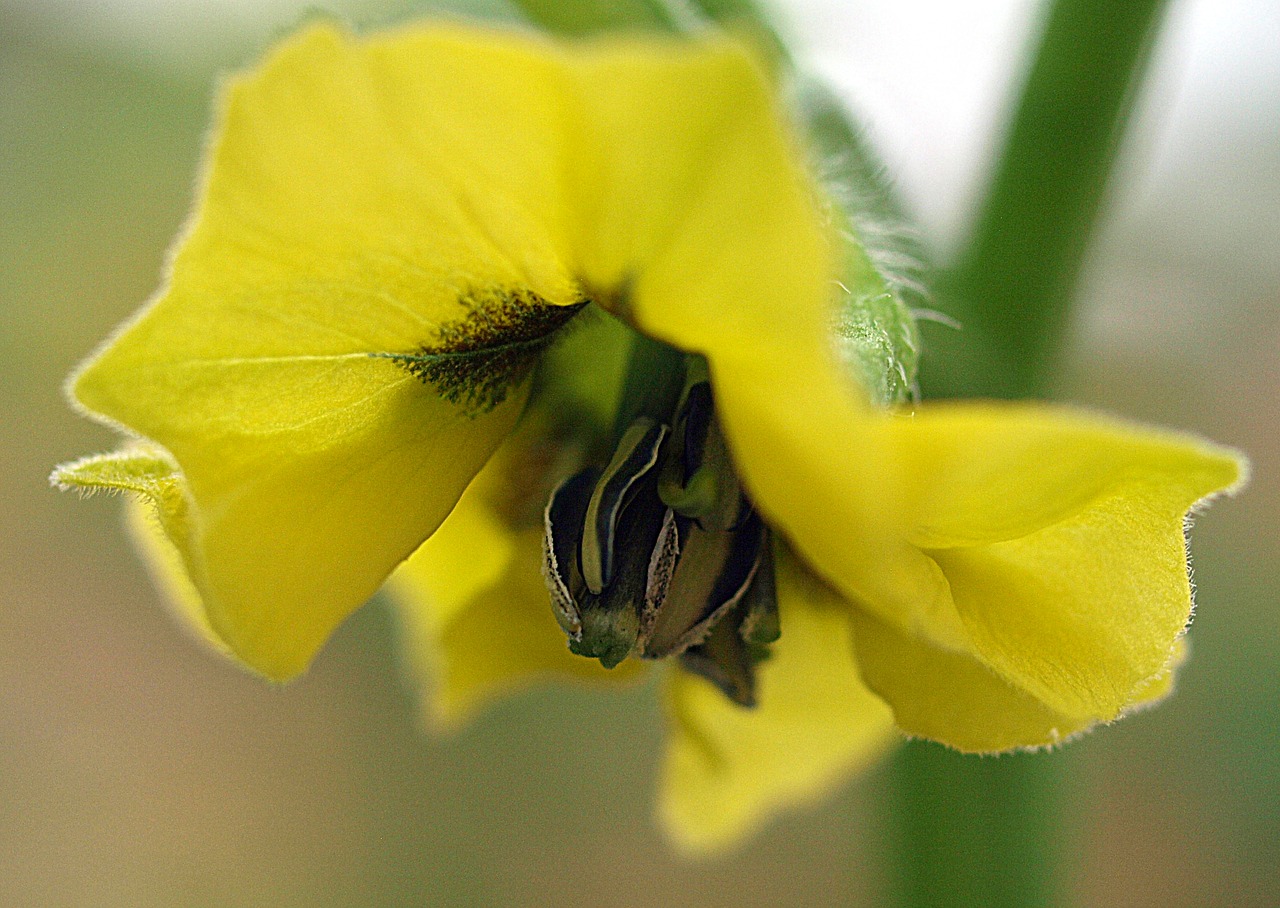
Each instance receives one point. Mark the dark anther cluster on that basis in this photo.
(476, 360)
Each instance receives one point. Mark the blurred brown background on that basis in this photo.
(136, 770)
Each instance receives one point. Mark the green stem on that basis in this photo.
(987, 831)
(983, 831)
(1012, 286)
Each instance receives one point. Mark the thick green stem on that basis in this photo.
(988, 831)
(983, 831)
(1012, 286)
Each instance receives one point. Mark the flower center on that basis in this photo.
(659, 552)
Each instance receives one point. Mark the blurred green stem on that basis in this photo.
(979, 831)
(1013, 282)
(974, 831)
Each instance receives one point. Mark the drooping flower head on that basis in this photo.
(569, 328)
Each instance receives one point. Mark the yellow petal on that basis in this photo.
(951, 697)
(169, 573)
(729, 769)
(706, 216)
(1013, 469)
(363, 194)
(820, 466)
(158, 519)
(1062, 539)
(1161, 685)
(1046, 544)
(1081, 613)
(476, 614)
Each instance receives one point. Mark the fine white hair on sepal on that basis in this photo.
(862, 187)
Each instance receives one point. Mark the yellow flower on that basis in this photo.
(395, 233)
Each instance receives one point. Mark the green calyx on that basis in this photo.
(882, 278)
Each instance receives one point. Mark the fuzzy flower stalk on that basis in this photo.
(566, 345)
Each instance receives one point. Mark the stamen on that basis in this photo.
(712, 574)
(634, 458)
(562, 536)
(661, 553)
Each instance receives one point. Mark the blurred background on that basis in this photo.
(137, 770)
